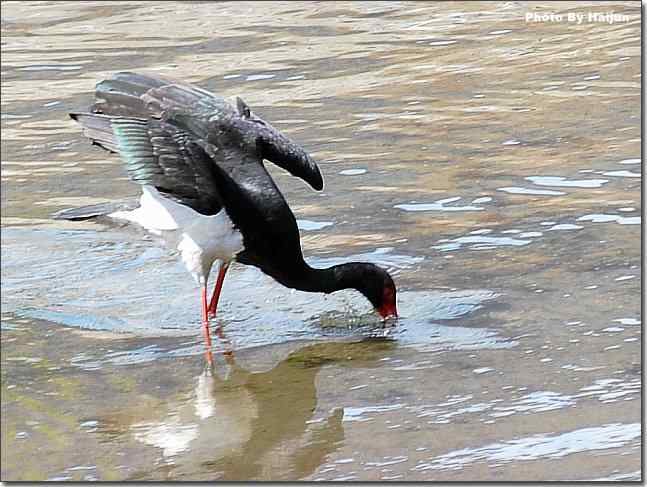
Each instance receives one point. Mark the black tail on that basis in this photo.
(94, 211)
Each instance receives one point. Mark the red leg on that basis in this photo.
(205, 318)
(213, 305)
(209, 357)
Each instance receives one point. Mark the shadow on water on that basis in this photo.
(238, 425)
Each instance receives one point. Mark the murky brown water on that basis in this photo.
(492, 164)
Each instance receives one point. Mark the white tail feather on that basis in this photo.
(201, 239)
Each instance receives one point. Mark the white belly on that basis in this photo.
(200, 239)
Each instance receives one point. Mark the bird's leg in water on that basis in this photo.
(205, 318)
(228, 353)
(213, 305)
(209, 357)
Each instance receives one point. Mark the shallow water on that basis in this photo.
(492, 165)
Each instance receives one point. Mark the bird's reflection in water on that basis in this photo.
(239, 425)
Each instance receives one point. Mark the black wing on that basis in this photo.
(155, 124)
(280, 150)
(125, 120)
(277, 148)
(195, 147)
(158, 154)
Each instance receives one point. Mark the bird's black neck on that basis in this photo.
(329, 280)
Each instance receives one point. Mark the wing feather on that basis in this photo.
(159, 127)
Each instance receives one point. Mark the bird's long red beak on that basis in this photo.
(388, 310)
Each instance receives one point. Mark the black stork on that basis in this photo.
(206, 191)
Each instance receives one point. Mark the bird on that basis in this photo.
(199, 160)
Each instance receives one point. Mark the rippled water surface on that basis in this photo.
(493, 165)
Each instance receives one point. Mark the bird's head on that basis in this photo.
(375, 284)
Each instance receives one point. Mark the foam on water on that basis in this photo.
(442, 43)
(604, 218)
(51, 67)
(358, 413)
(484, 199)
(622, 174)
(256, 77)
(624, 278)
(309, 225)
(383, 256)
(565, 226)
(635, 476)
(352, 172)
(534, 402)
(628, 321)
(571, 183)
(608, 436)
(478, 242)
(538, 192)
(440, 205)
